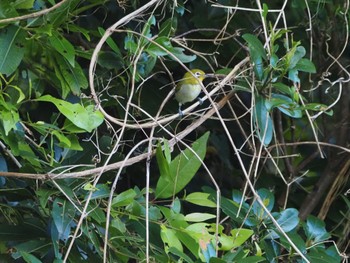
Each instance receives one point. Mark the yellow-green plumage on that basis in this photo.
(189, 87)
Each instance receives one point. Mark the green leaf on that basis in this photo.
(74, 142)
(12, 41)
(63, 214)
(110, 60)
(21, 95)
(117, 223)
(167, 151)
(86, 118)
(155, 50)
(315, 230)
(93, 237)
(64, 142)
(99, 192)
(170, 239)
(182, 169)
(255, 46)
(168, 27)
(230, 208)
(71, 78)
(293, 75)
(23, 4)
(9, 120)
(125, 198)
(176, 206)
(207, 250)
(111, 43)
(262, 121)
(201, 199)
(265, 10)
(163, 164)
(296, 239)
(288, 219)
(29, 258)
(63, 46)
(321, 256)
(299, 52)
(179, 53)
(317, 107)
(180, 254)
(240, 236)
(199, 217)
(268, 200)
(305, 65)
(257, 54)
(285, 105)
(252, 259)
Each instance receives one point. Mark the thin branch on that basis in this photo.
(33, 15)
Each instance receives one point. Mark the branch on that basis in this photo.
(33, 15)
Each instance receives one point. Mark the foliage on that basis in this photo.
(95, 163)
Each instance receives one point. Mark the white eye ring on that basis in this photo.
(197, 74)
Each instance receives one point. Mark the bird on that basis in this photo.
(189, 87)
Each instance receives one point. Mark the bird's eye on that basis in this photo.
(197, 74)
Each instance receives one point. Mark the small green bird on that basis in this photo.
(189, 87)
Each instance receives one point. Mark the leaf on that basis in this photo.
(199, 217)
(99, 192)
(230, 208)
(71, 77)
(64, 142)
(3, 168)
(240, 236)
(63, 46)
(201, 199)
(86, 118)
(268, 200)
(207, 250)
(179, 53)
(9, 120)
(262, 121)
(320, 256)
(252, 259)
(155, 49)
(285, 105)
(305, 65)
(111, 43)
(124, 198)
(110, 60)
(24, 4)
(168, 27)
(163, 164)
(22, 231)
(182, 169)
(29, 258)
(169, 238)
(255, 46)
(296, 57)
(296, 239)
(315, 230)
(12, 41)
(180, 254)
(293, 75)
(288, 219)
(63, 214)
(257, 53)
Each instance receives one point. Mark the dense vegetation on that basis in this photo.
(97, 165)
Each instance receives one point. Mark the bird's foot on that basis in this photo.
(181, 114)
(200, 101)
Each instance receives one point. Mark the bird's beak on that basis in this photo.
(210, 75)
